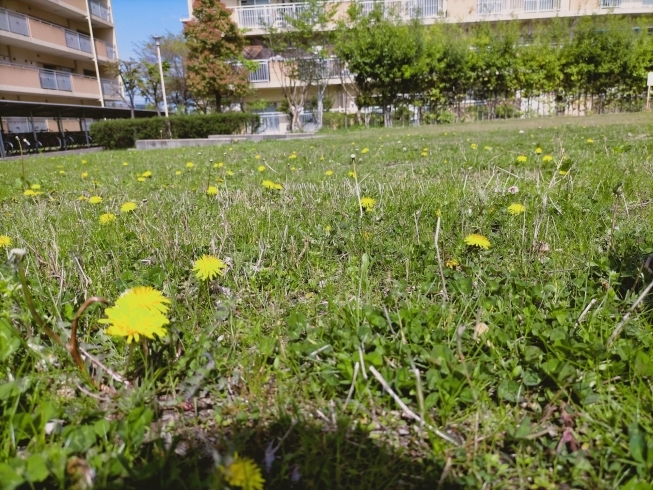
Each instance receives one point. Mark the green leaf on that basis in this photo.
(37, 468)
(637, 443)
(509, 390)
(524, 429)
(9, 478)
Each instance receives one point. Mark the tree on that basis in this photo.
(301, 41)
(150, 82)
(216, 67)
(386, 56)
(129, 72)
(175, 51)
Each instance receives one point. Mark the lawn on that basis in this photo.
(354, 339)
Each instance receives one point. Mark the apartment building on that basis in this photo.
(56, 52)
(253, 16)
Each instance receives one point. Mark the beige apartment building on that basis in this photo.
(254, 15)
(56, 52)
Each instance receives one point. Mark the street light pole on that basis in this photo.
(157, 40)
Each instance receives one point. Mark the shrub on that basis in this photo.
(123, 133)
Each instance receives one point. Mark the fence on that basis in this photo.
(14, 22)
(100, 10)
(262, 74)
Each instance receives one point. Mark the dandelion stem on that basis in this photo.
(74, 345)
(32, 309)
(437, 254)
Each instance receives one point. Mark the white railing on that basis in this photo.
(489, 7)
(410, 9)
(609, 4)
(100, 10)
(534, 5)
(273, 122)
(23, 125)
(14, 22)
(262, 74)
(262, 16)
(78, 41)
(111, 50)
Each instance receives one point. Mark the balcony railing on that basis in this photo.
(30, 79)
(262, 74)
(407, 9)
(78, 41)
(105, 49)
(14, 22)
(497, 7)
(608, 4)
(100, 10)
(262, 16)
(110, 88)
(56, 80)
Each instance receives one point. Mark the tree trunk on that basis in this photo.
(218, 102)
(295, 124)
(320, 108)
(387, 119)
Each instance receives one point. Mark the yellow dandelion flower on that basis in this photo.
(231, 149)
(62, 172)
(144, 297)
(208, 267)
(5, 241)
(132, 322)
(261, 168)
(328, 172)
(218, 165)
(278, 187)
(82, 198)
(268, 184)
(107, 218)
(84, 175)
(35, 187)
(522, 159)
(352, 174)
(125, 164)
(147, 174)
(292, 157)
(95, 200)
(474, 146)
(292, 169)
(487, 148)
(30, 193)
(258, 157)
(190, 165)
(178, 172)
(452, 264)
(219, 180)
(229, 172)
(516, 209)
(590, 140)
(141, 179)
(212, 191)
(547, 158)
(538, 150)
(83, 162)
(563, 172)
(367, 203)
(424, 154)
(476, 240)
(128, 207)
(365, 150)
(243, 473)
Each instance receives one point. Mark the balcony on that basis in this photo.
(267, 76)
(19, 79)
(24, 31)
(262, 74)
(105, 50)
(258, 18)
(506, 7)
(100, 10)
(111, 89)
(625, 4)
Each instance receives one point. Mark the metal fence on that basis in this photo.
(262, 74)
(56, 80)
(78, 41)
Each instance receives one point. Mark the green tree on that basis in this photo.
(385, 55)
(174, 50)
(130, 73)
(216, 67)
(301, 41)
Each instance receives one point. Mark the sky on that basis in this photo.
(137, 20)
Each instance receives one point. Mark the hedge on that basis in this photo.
(123, 133)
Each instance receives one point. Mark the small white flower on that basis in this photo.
(513, 190)
(521, 131)
(353, 156)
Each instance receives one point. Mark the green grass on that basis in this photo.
(524, 393)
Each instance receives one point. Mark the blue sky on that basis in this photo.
(137, 20)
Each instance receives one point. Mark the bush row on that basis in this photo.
(123, 133)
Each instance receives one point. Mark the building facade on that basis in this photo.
(253, 16)
(57, 52)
